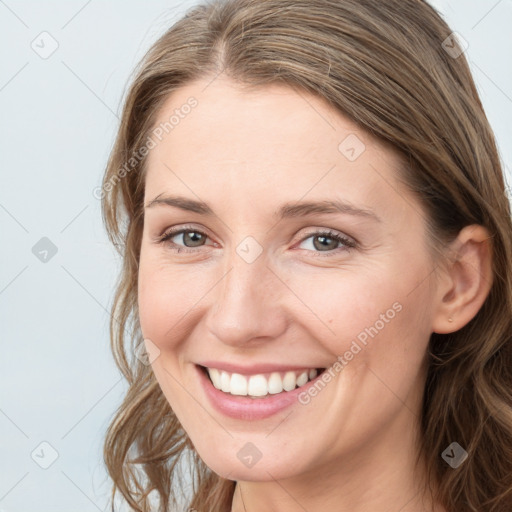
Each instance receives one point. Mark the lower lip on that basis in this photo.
(245, 408)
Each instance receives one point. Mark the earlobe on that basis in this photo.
(466, 280)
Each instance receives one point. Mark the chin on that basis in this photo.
(244, 461)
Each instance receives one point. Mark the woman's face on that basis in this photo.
(291, 248)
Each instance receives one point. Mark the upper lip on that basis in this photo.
(254, 368)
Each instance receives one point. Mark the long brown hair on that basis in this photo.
(393, 68)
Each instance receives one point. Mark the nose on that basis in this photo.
(247, 305)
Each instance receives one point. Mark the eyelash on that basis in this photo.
(349, 244)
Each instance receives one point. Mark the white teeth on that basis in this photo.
(289, 381)
(238, 384)
(225, 382)
(275, 383)
(259, 385)
(215, 376)
(302, 379)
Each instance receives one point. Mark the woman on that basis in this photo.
(317, 251)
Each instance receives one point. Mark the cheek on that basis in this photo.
(378, 347)
(168, 297)
(367, 317)
(154, 302)
(343, 302)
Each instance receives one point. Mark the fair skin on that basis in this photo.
(302, 302)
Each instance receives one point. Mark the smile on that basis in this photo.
(261, 384)
(254, 393)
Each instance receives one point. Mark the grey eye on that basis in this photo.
(190, 238)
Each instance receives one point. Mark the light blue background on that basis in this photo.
(57, 123)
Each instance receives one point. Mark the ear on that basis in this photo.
(465, 281)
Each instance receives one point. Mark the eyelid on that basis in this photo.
(319, 231)
(348, 243)
(173, 231)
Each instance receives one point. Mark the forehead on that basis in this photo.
(272, 141)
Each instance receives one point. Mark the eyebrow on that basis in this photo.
(183, 203)
(288, 210)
